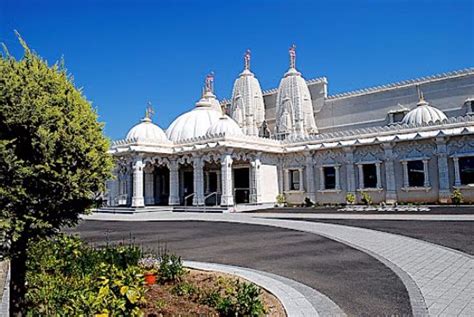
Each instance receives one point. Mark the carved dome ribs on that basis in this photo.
(247, 107)
(294, 108)
(423, 113)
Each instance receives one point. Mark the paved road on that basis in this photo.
(457, 235)
(355, 281)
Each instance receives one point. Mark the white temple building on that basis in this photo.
(410, 141)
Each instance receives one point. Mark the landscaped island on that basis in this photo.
(66, 276)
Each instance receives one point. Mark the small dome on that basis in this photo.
(225, 125)
(423, 113)
(147, 130)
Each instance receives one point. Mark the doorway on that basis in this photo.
(242, 185)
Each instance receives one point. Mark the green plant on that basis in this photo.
(53, 158)
(171, 268)
(69, 278)
(280, 199)
(243, 301)
(350, 198)
(184, 289)
(457, 197)
(308, 202)
(366, 199)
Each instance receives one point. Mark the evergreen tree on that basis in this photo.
(53, 158)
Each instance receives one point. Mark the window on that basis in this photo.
(416, 174)
(466, 170)
(396, 116)
(294, 179)
(329, 177)
(370, 175)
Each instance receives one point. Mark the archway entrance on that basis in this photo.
(187, 186)
(162, 185)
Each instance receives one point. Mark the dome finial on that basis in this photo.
(421, 97)
(247, 59)
(149, 112)
(292, 52)
(210, 82)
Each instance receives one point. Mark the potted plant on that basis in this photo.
(281, 200)
(350, 198)
(150, 265)
(366, 199)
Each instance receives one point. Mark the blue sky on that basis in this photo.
(125, 53)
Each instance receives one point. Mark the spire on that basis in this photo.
(209, 87)
(247, 60)
(292, 52)
(149, 112)
(421, 97)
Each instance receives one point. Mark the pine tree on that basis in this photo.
(53, 158)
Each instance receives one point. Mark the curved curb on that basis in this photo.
(297, 299)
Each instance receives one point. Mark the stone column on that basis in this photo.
(406, 183)
(379, 176)
(137, 198)
(444, 194)
(349, 160)
(391, 187)
(361, 176)
(337, 175)
(256, 180)
(227, 198)
(426, 174)
(309, 168)
(286, 179)
(322, 184)
(149, 186)
(457, 174)
(300, 172)
(280, 176)
(218, 182)
(173, 167)
(206, 177)
(198, 198)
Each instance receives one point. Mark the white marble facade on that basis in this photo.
(391, 142)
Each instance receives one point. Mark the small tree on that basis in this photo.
(53, 158)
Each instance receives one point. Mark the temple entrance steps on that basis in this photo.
(203, 209)
(133, 210)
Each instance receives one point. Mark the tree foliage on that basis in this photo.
(53, 154)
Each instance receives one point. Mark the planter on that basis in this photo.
(150, 278)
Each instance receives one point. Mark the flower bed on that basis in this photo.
(68, 277)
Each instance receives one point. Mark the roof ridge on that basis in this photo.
(402, 83)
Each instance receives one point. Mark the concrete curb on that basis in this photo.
(297, 299)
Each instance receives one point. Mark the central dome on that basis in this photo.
(196, 123)
(225, 125)
(146, 131)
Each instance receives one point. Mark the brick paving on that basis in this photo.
(443, 278)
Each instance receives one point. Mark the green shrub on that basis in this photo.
(308, 202)
(457, 197)
(69, 278)
(366, 199)
(280, 199)
(350, 198)
(243, 301)
(184, 289)
(171, 268)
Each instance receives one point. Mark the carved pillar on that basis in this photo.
(280, 176)
(309, 168)
(149, 186)
(337, 175)
(137, 199)
(426, 173)
(443, 171)
(218, 182)
(198, 198)
(379, 178)
(206, 177)
(406, 182)
(256, 180)
(286, 179)
(349, 160)
(227, 198)
(457, 174)
(173, 167)
(300, 172)
(322, 184)
(361, 176)
(391, 187)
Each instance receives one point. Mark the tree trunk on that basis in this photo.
(18, 276)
